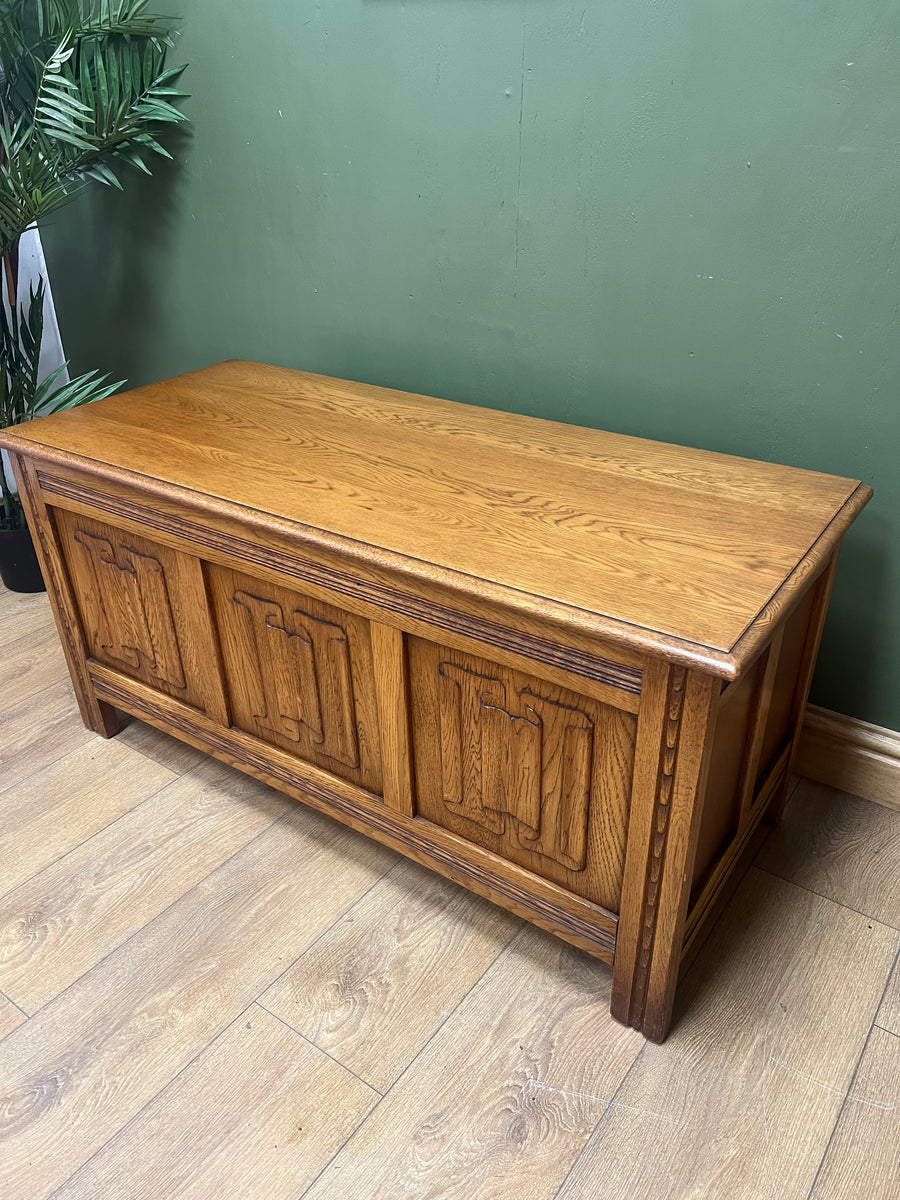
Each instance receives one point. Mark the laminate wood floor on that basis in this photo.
(209, 992)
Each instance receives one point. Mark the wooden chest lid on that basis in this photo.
(657, 546)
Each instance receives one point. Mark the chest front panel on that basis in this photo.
(299, 674)
(142, 607)
(520, 766)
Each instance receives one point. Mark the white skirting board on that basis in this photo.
(852, 755)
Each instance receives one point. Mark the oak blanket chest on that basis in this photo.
(565, 668)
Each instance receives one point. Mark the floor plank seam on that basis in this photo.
(17, 1007)
(10, 1032)
(316, 940)
(349, 1138)
(455, 1008)
(843, 1105)
(893, 971)
(610, 1104)
(830, 899)
(316, 1046)
(135, 932)
(36, 696)
(84, 841)
(874, 1025)
(425, 1044)
(152, 1100)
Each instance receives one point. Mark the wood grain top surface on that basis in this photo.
(687, 543)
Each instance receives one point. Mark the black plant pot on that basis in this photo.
(19, 567)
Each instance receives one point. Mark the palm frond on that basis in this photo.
(58, 111)
(83, 85)
(84, 90)
(83, 390)
(23, 395)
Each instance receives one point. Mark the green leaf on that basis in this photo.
(83, 390)
(126, 65)
(102, 90)
(152, 144)
(101, 172)
(130, 154)
(82, 75)
(168, 75)
(136, 85)
(66, 109)
(63, 134)
(113, 73)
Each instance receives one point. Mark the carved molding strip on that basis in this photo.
(616, 675)
(668, 758)
(516, 767)
(386, 828)
(132, 616)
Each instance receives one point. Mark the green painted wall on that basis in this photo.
(676, 220)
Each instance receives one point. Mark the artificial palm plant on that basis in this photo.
(84, 88)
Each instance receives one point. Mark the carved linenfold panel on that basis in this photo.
(516, 761)
(533, 772)
(129, 604)
(301, 676)
(142, 610)
(567, 750)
